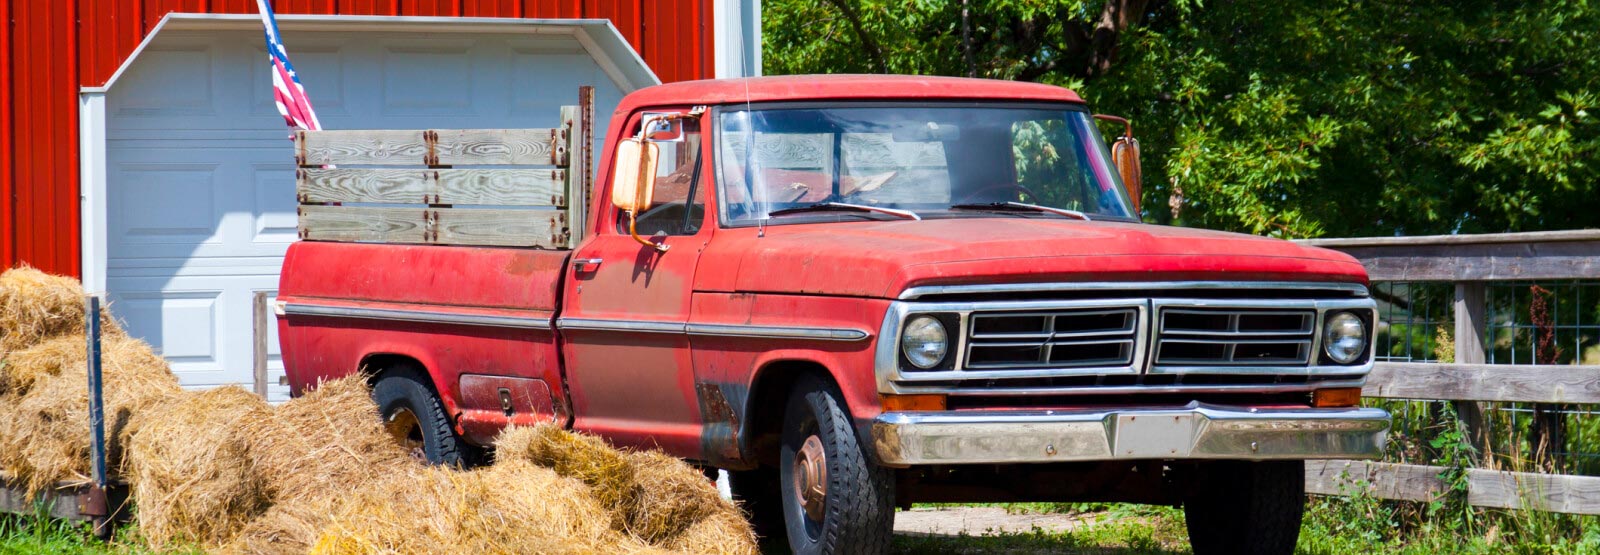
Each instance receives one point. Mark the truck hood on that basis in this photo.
(883, 258)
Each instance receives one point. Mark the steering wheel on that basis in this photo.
(1017, 187)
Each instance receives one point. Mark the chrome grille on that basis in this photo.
(1083, 338)
(1234, 337)
(1263, 339)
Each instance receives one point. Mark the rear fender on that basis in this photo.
(443, 385)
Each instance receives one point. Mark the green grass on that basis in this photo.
(1333, 526)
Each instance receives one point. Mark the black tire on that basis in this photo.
(1243, 508)
(756, 491)
(406, 389)
(857, 510)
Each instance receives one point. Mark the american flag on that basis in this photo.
(286, 88)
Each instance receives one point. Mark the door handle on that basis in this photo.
(586, 265)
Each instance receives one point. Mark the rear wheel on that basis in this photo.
(414, 417)
(834, 499)
(1243, 508)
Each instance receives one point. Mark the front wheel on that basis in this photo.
(1244, 508)
(834, 499)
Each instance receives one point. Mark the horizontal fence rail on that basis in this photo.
(1470, 262)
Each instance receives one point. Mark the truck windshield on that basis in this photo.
(933, 160)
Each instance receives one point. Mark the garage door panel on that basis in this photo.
(274, 214)
(149, 94)
(429, 78)
(165, 203)
(184, 326)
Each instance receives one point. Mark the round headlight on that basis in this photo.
(1344, 338)
(924, 341)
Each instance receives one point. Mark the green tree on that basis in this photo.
(1295, 118)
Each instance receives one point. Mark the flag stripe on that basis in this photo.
(287, 91)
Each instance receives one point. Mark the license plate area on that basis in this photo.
(1155, 435)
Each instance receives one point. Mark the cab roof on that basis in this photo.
(841, 87)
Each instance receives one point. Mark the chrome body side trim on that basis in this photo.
(1353, 289)
(713, 330)
(636, 326)
(1195, 431)
(412, 315)
(778, 332)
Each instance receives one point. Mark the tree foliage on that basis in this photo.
(1295, 118)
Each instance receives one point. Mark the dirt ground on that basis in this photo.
(979, 521)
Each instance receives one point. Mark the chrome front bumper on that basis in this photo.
(1195, 431)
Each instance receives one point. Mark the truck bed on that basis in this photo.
(479, 319)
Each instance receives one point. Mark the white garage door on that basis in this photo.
(199, 174)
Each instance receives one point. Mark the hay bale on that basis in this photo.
(47, 439)
(584, 457)
(327, 441)
(26, 367)
(721, 533)
(289, 527)
(514, 507)
(35, 306)
(654, 497)
(670, 497)
(189, 469)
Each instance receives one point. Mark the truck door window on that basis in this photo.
(680, 200)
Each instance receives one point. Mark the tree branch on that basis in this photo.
(871, 45)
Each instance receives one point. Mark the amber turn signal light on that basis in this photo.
(898, 403)
(1342, 397)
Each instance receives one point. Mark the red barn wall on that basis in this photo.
(51, 48)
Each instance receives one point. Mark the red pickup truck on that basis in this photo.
(861, 292)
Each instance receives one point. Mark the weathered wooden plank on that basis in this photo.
(441, 226)
(506, 147)
(59, 503)
(1539, 492)
(578, 121)
(1485, 488)
(1506, 256)
(1483, 238)
(504, 187)
(358, 147)
(1485, 382)
(1383, 480)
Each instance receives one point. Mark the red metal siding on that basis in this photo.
(7, 214)
(52, 48)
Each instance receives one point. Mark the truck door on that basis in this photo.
(629, 372)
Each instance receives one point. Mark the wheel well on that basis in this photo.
(375, 366)
(769, 397)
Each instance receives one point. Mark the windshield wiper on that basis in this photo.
(1021, 206)
(832, 206)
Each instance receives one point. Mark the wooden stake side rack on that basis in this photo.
(484, 187)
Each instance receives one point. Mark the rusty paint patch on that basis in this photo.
(719, 438)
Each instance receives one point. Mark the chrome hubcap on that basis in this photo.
(811, 477)
(406, 430)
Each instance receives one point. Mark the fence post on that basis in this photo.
(1470, 326)
(258, 328)
(96, 502)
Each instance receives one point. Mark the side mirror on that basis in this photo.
(633, 177)
(1125, 155)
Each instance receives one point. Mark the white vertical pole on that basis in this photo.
(92, 188)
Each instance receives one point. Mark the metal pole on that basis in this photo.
(97, 420)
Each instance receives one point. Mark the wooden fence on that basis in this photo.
(1471, 262)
